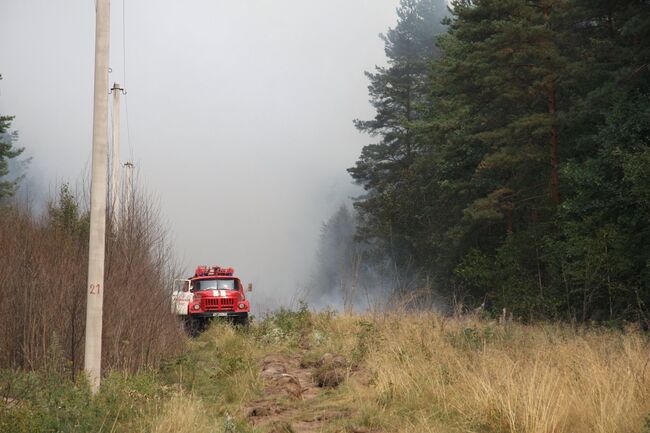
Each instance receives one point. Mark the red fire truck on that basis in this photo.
(212, 292)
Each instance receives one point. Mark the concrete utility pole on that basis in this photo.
(98, 187)
(128, 189)
(115, 157)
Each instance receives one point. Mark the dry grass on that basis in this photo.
(426, 374)
(181, 414)
(432, 374)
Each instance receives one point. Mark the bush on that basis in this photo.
(43, 289)
(285, 325)
(47, 401)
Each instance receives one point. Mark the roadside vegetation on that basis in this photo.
(394, 373)
(44, 264)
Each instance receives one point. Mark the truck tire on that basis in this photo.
(194, 326)
(242, 320)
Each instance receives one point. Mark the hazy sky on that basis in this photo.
(240, 114)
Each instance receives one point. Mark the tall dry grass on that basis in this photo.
(434, 374)
(523, 379)
(43, 271)
(182, 413)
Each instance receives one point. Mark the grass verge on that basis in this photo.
(405, 373)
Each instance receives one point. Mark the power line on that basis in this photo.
(128, 130)
(126, 98)
(124, 39)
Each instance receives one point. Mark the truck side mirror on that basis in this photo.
(250, 287)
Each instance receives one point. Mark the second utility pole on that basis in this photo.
(98, 186)
(115, 157)
(128, 192)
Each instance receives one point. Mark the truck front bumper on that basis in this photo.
(211, 314)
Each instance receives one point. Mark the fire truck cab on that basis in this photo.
(212, 292)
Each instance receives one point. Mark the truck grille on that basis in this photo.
(218, 304)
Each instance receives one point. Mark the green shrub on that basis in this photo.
(47, 401)
(367, 337)
(218, 367)
(285, 325)
(473, 338)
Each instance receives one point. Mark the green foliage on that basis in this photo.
(65, 214)
(367, 337)
(337, 253)
(285, 325)
(215, 366)
(473, 338)
(7, 152)
(397, 92)
(519, 178)
(48, 401)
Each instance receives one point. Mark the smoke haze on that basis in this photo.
(239, 115)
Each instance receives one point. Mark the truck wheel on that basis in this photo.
(194, 326)
(242, 321)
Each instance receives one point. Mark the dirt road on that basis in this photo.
(295, 393)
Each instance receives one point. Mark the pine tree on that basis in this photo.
(602, 251)
(7, 152)
(338, 259)
(516, 174)
(398, 93)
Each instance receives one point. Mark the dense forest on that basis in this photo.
(511, 160)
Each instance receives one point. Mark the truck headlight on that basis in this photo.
(196, 307)
(242, 305)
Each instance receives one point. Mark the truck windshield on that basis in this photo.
(214, 285)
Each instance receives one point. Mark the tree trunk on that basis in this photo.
(552, 108)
